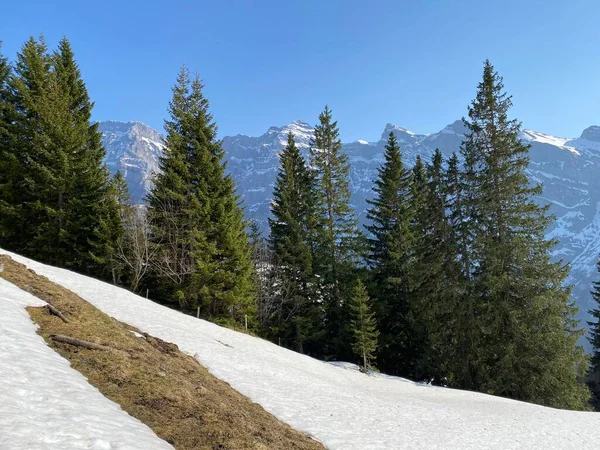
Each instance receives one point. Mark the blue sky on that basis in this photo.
(415, 63)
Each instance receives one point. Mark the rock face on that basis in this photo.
(568, 169)
(133, 148)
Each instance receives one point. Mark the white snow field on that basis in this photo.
(44, 403)
(335, 404)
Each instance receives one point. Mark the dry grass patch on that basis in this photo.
(152, 379)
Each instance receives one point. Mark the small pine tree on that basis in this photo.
(363, 326)
(594, 338)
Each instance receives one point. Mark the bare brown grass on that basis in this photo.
(152, 379)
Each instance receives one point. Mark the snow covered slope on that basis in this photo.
(336, 404)
(44, 403)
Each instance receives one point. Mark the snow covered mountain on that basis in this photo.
(568, 169)
(132, 148)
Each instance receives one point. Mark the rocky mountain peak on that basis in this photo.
(566, 169)
(398, 131)
(591, 133)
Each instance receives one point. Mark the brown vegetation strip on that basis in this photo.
(151, 379)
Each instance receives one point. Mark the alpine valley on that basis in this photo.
(568, 169)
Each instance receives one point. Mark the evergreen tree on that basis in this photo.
(23, 92)
(528, 348)
(458, 340)
(390, 250)
(434, 274)
(118, 213)
(58, 197)
(291, 242)
(197, 222)
(363, 325)
(594, 338)
(86, 199)
(8, 159)
(337, 247)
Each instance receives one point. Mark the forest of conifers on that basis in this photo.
(451, 282)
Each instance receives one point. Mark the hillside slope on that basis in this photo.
(46, 404)
(337, 405)
(150, 379)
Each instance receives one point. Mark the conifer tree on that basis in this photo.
(390, 249)
(434, 272)
(528, 349)
(458, 340)
(197, 222)
(337, 247)
(594, 339)
(24, 90)
(59, 193)
(363, 326)
(291, 242)
(8, 158)
(118, 213)
(87, 193)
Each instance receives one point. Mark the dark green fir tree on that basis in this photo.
(435, 270)
(293, 217)
(594, 338)
(390, 250)
(338, 245)
(9, 163)
(528, 344)
(203, 253)
(59, 196)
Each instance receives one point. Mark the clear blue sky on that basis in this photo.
(414, 63)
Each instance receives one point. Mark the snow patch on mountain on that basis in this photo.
(567, 168)
(133, 148)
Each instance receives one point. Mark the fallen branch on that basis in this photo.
(57, 313)
(79, 342)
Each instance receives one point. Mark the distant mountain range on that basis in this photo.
(568, 168)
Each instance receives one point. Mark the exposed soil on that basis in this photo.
(152, 379)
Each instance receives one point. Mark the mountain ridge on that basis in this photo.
(566, 167)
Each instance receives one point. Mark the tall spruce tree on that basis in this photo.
(529, 335)
(458, 340)
(594, 339)
(390, 250)
(87, 199)
(59, 197)
(8, 159)
(24, 91)
(197, 222)
(291, 239)
(363, 326)
(434, 274)
(338, 244)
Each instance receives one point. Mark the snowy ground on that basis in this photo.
(44, 403)
(337, 405)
